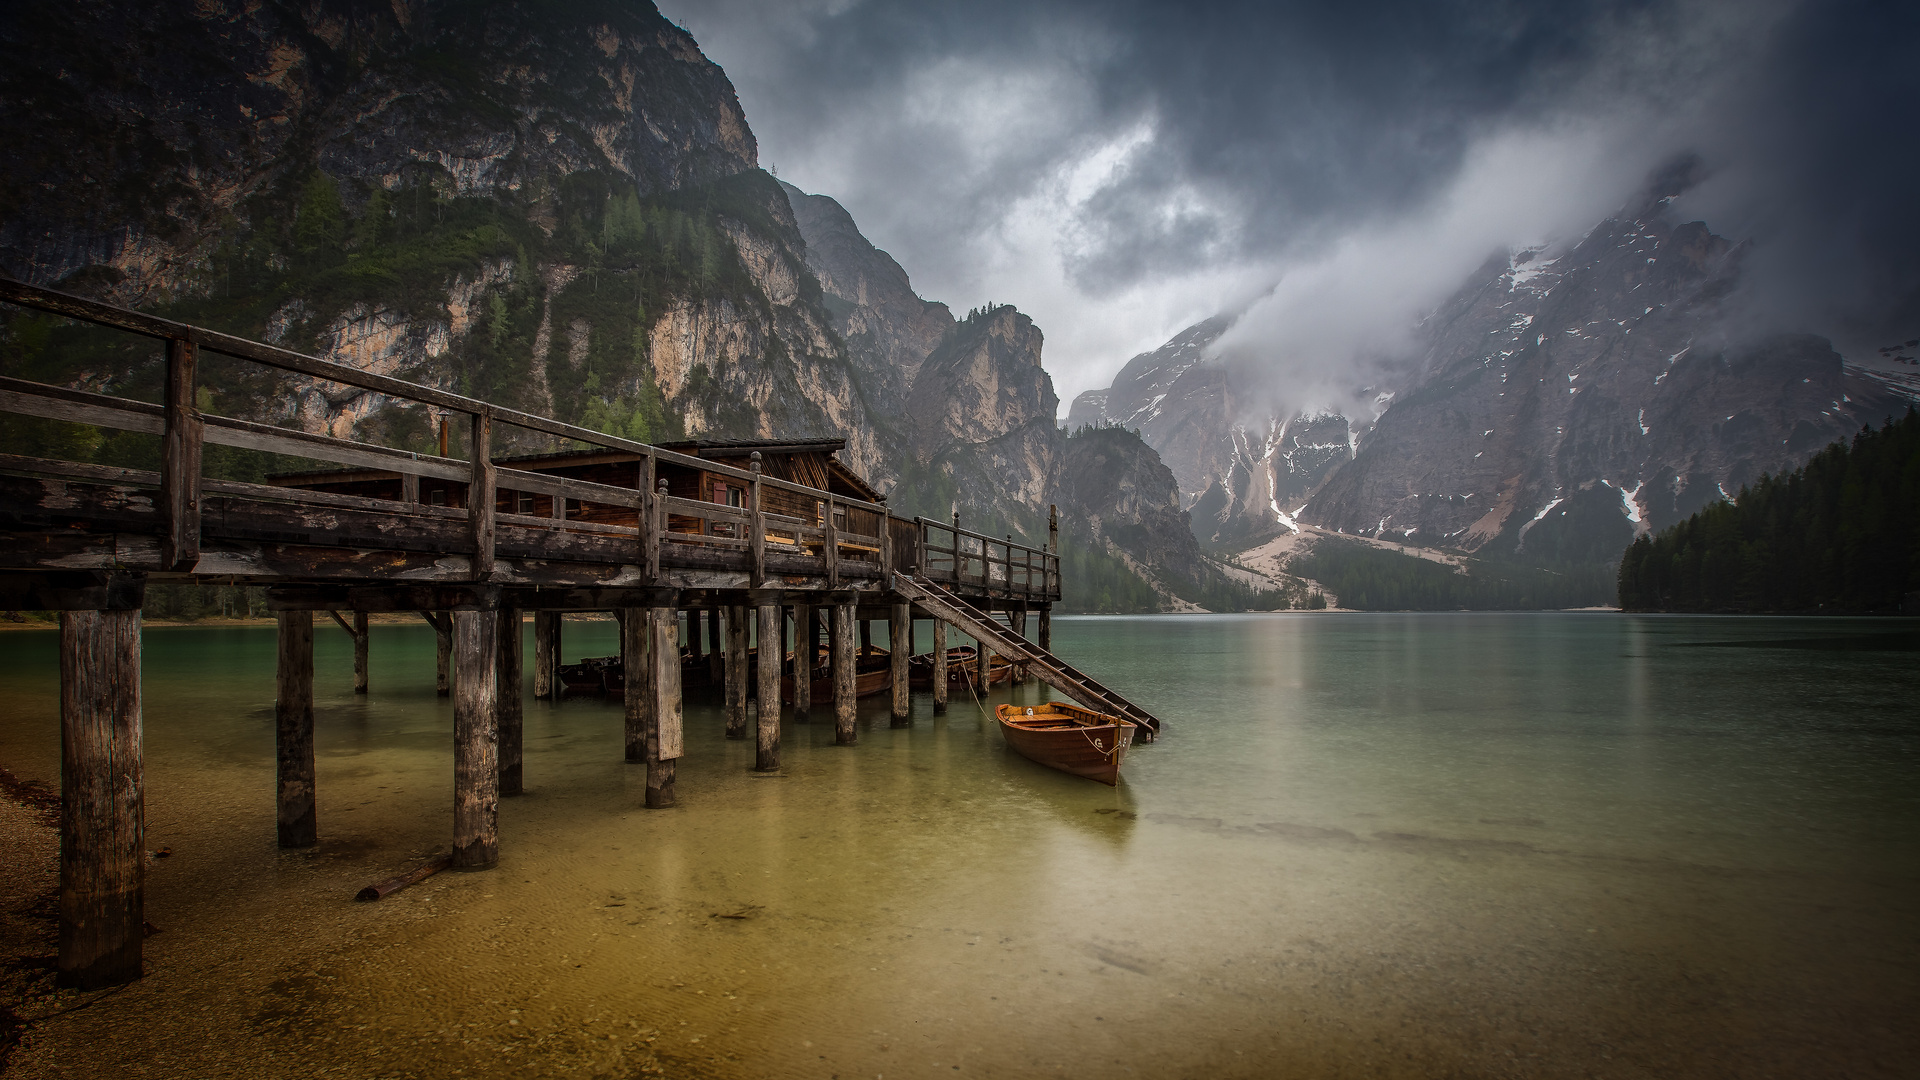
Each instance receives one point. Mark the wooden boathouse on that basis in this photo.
(721, 533)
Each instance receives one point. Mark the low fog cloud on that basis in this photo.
(1334, 321)
(1120, 170)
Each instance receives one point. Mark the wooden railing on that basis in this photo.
(852, 538)
(953, 556)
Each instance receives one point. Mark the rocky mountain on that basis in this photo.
(1243, 472)
(1573, 397)
(553, 205)
(1567, 398)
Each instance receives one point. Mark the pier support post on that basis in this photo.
(546, 653)
(939, 668)
(1046, 628)
(1018, 617)
(663, 725)
(766, 756)
(803, 654)
(983, 657)
(103, 855)
(716, 658)
(900, 645)
(844, 731)
(442, 650)
(476, 750)
(359, 652)
(866, 635)
(293, 731)
(636, 658)
(736, 671)
(509, 720)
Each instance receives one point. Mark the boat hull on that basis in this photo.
(1067, 738)
(868, 680)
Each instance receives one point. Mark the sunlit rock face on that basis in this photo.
(556, 207)
(135, 129)
(982, 412)
(1572, 397)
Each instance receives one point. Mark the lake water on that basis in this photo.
(1368, 845)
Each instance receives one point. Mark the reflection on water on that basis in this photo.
(1368, 845)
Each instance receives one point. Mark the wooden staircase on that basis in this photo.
(1045, 666)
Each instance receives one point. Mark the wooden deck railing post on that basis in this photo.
(103, 851)
(767, 712)
(180, 459)
(899, 635)
(757, 523)
(844, 714)
(831, 548)
(476, 745)
(480, 496)
(652, 518)
(293, 731)
(510, 719)
(939, 667)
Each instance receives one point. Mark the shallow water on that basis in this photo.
(1369, 845)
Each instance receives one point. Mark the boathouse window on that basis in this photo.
(526, 503)
(437, 497)
(729, 495)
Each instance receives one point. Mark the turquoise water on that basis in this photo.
(1473, 844)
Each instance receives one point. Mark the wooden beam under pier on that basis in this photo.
(293, 731)
(546, 653)
(845, 733)
(899, 645)
(476, 750)
(636, 659)
(103, 853)
(442, 623)
(805, 627)
(509, 719)
(767, 711)
(664, 736)
(939, 668)
(736, 673)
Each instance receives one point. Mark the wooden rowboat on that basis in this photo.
(961, 669)
(872, 674)
(1067, 737)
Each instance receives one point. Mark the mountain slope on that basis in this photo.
(553, 205)
(1573, 398)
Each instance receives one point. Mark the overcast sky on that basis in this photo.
(1121, 170)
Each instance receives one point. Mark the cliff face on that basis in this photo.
(888, 329)
(135, 129)
(1573, 398)
(555, 206)
(982, 410)
(1243, 474)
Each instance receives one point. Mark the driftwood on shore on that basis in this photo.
(400, 881)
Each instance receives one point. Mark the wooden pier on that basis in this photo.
(752, 536)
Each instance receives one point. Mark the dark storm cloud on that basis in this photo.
(1817, 149)
(1107, 165)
